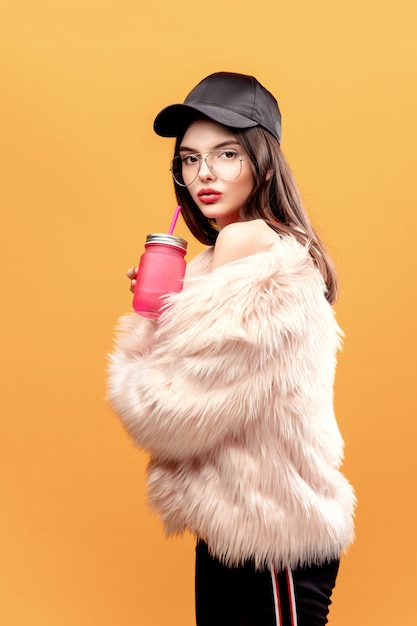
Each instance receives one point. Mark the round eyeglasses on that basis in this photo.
(224, 164)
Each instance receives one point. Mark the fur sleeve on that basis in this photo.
(224, 347)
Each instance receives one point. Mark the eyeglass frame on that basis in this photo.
(203, 157)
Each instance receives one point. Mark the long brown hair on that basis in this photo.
(275, 199)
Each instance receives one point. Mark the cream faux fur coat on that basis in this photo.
(231, 392)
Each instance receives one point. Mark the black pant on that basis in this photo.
(243, 596)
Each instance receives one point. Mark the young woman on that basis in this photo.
(231, 390)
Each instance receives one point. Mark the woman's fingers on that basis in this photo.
(132, 274)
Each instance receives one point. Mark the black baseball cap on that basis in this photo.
(234, 100)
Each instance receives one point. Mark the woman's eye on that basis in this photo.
(190, 159)
(227, 154)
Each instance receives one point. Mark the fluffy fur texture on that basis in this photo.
(231, 391)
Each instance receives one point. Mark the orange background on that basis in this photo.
(83, 179)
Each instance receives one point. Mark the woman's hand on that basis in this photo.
(132, 274)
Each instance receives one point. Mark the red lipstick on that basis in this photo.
(209, 196)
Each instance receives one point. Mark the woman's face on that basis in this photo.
(217, 199)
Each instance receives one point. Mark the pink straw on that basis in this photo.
(174, 219)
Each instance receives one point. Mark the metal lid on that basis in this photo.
(169, 240)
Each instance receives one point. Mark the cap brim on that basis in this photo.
(174, 119)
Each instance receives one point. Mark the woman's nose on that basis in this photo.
(205, 172)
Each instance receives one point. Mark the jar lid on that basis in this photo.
(170, 240)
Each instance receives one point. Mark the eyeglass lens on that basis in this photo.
(224, 164)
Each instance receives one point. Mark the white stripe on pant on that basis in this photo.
(289, 591)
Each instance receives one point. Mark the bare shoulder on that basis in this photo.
(242, 239)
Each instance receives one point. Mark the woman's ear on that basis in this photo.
(269, 174)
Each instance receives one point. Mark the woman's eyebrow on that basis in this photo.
(223, 144)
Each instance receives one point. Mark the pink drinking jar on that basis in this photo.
(161, 271)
